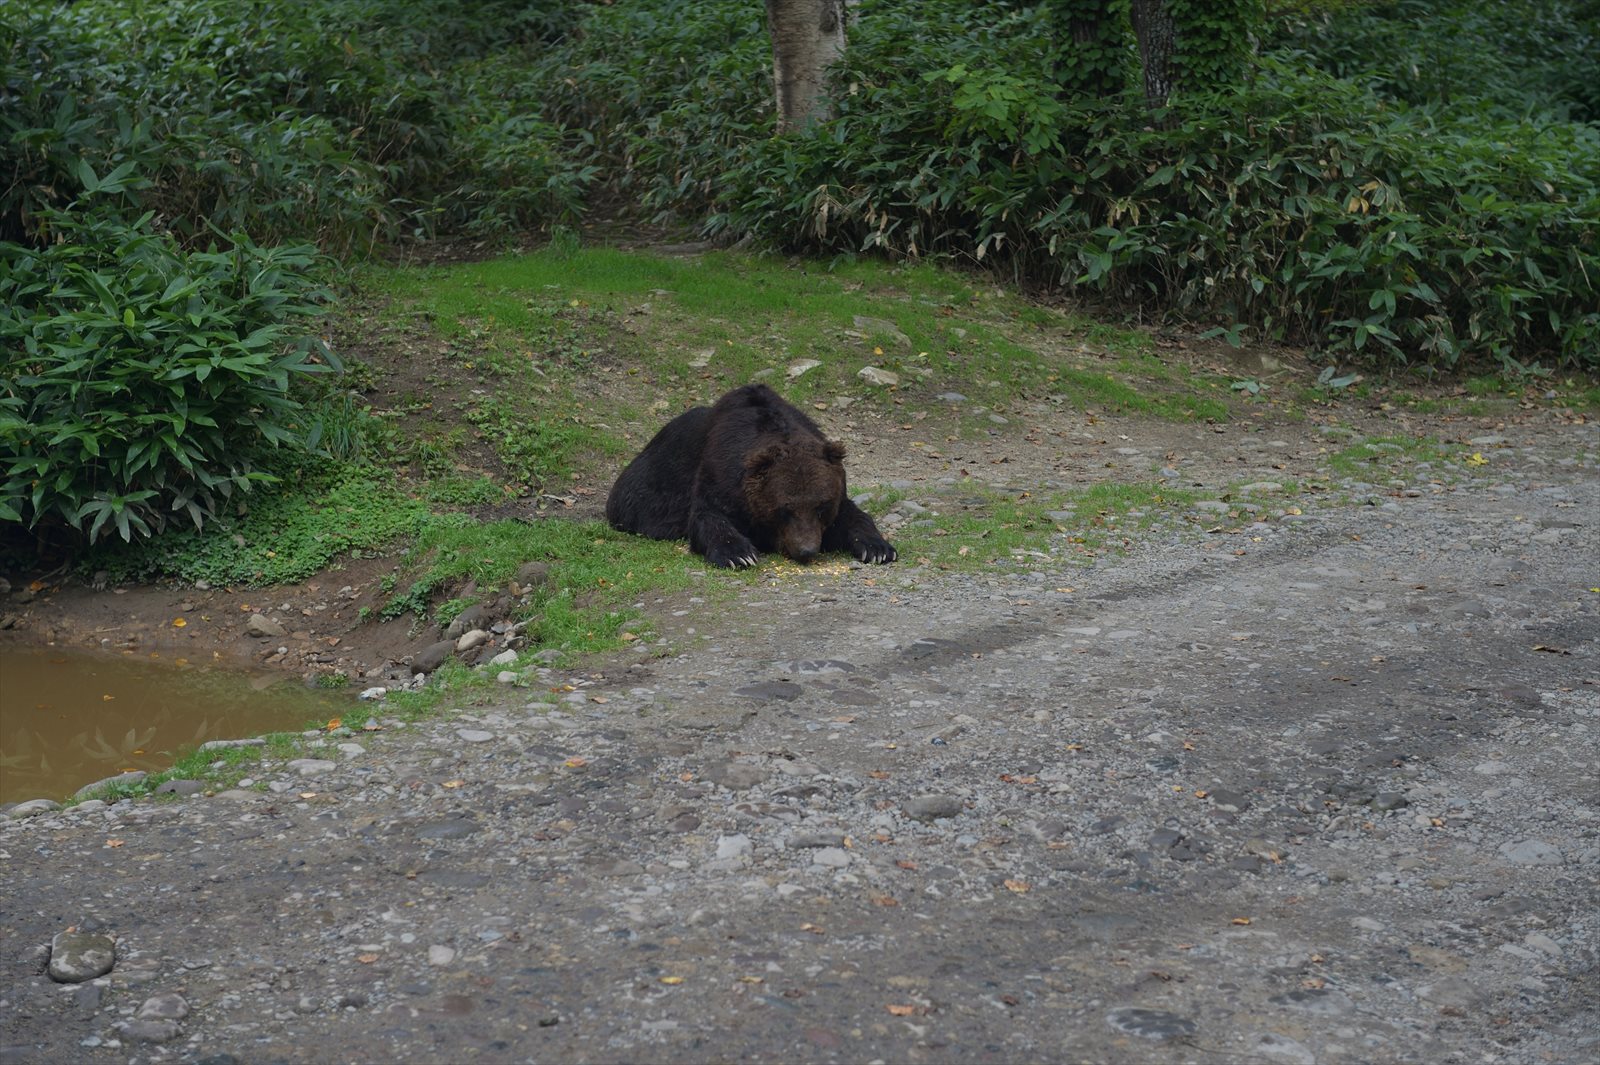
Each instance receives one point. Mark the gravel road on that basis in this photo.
(1321, 790)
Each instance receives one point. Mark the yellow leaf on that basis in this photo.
(453, 783)
(178, 623)
(1477, 459)
(672, 979)
(1241, 920)
(877, 351)
(334, 723)
(1018, 886)
(901, 1011)
(576, 762)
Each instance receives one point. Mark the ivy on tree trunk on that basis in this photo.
(807, 37)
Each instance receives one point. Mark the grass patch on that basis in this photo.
(981, 530)
(278, 535)
(684, 329)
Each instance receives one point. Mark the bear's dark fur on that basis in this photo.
(750, 474)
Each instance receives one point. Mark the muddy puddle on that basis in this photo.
(69, 718)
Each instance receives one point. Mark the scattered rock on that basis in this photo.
(473, 735)
(873, 375)
(733, 846)
(473, 617)
(797, 369)
(180, 787)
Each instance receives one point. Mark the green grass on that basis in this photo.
(984, 529)
(686, 328)
(1387, 454)
(286, 532)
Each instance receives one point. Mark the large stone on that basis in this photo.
(874, 375)
(167, 1007)
(262, 627)
(432, 656)
(79, 956)
(31, 808)
(131, 777)
(1530, 852)
(472, 638)
(933, 807)
(474, 617)
(882, 327)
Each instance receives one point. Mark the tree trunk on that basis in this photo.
(1157, 36)
(807, 36)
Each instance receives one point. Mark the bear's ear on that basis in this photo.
(763, 459)
(833, 451)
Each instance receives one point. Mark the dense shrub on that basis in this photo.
(340, 122)
(139, 381)
(1298, 205)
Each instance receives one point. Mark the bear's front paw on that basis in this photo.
(874, 549)
(734, 556)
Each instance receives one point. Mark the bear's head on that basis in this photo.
(793, 488)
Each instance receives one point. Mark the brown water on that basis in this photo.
(70, 718)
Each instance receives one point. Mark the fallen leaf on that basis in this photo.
(752, 979)
(452, 784)
(366, 959)
(1313, 983)
(178, 623)
(1241, 920)
(576, 762)
(1019, 886)
(906, 863)
(1201, 793)
(113, 843)
(333, 724)
(901, 1011)
(672, 979)
(814, 929)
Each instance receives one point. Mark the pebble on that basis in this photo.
(507, 676)
(438, 955)
(373, 693)
(1531, 852)
(473, 735)
(873, 375)
(1491, 769)
(832, 857)
(504, 658)
(223, 745)
(1541, 942)
(79, 956)
(469, 640)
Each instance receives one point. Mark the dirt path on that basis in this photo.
(1311, 790)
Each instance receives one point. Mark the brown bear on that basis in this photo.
(747, 475)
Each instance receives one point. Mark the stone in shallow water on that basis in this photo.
(1151, 1024)
(79, 956)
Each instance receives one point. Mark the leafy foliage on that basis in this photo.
(339, 122)
(141, 381)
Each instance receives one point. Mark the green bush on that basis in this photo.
(141, 381)
(343, 122)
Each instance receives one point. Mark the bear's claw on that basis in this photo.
(875, 551)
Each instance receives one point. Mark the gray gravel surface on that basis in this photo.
(1321, 790)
